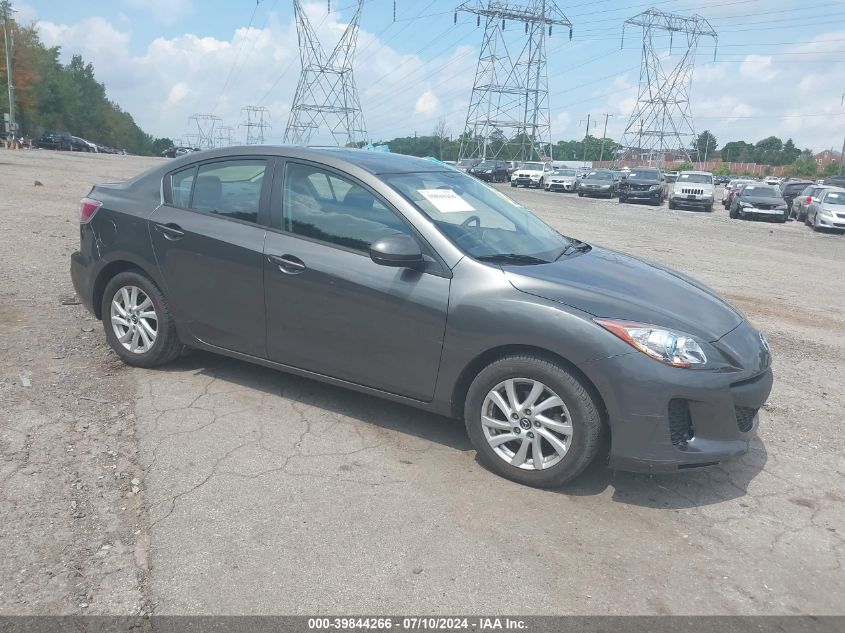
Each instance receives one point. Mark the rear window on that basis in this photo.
(644, 175)
(599, 175)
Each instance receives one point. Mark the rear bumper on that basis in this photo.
(665, 419)
(81, 275)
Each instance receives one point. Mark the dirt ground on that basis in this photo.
(213, 486)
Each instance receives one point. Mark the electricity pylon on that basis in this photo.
(255, 124)
(508, 115)
(662, 118)
(326, 98)
(205, 124)
(224, 136)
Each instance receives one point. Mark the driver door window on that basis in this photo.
(323, 206)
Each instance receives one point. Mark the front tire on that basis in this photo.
(558, 420)
(137, 321)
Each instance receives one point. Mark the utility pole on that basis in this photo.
(662, 118)
(6, 8)
(586, 136)
(842, 156)
(510, 94)
(604, 136)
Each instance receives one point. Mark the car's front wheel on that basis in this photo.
(532, 421)
(137, 321)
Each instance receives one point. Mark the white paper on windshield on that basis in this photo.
(446, 200)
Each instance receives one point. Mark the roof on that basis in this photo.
(373, 162)
(692, 171)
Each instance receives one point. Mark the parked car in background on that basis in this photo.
(791, 188)
(670, 176)
(693, 190)
(56, 141)
(513, 165)
(490, 171)
(465, 163)
(406, 280)
(759, 200)
(562, 180)
(802, 201)
(599, 182)
(829, 211)
(531, 174)
(644, 184)
(731, 188)
(835, 181)
(175, 152)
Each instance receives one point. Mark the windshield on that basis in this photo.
(564, 172)
(533, 166)
(760, 192)
(479, 220)
(599, 175)
(644, 175)
(487, 164)
(467, 162)
(699, 178)
(835, 197)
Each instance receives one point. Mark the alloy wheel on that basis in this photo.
(526, 424)
(134, 320)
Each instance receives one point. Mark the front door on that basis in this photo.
(330, 308)
(209, 240)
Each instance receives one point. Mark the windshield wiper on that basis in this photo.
(576, 246)
(511, 258)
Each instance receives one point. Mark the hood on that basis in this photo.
(610, 284)
(639, 181)
(763, 200)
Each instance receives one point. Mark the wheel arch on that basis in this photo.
(471, 370)
(108, 272)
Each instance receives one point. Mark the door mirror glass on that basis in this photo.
(396, 250)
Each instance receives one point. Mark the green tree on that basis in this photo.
(738, 152)
(768, 151)
(685, 166)
(704, 145)
(789, 153)
(831, 169)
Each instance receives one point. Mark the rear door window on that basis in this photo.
(230, 188)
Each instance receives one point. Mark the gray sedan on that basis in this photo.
(400, 278)
(827, 211)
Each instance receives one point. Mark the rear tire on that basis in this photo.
(672, 205)
(118, 297)
(565, 456)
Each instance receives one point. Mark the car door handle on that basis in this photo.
(170, 231)
(287, 263)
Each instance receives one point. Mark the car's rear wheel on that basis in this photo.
(137, 321)
(532, 421)
(672, 205)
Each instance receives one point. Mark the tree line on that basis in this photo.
(50, 95)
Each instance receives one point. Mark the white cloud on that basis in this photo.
(427, 105)
(167, 12)
(758, 67)
(94, 35)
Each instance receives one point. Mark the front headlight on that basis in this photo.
(672, 348)
(746, 205)
(654, 187)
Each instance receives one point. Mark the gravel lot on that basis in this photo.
(214, 486)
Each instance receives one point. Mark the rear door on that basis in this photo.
(208, 239)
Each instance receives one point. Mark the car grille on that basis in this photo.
(764, 207)
(640, 187)
(692, 190)
(745, 418)
(680, 422)
(840, 215)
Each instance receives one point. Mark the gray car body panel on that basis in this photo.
(419, 337)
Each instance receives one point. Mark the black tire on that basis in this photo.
(513, 184)
(622, 199)
(709, 208)
(584, 412)
(672, 205)
(167, 346)
(580, 194)
(733, 214)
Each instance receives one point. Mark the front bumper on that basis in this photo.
(525, 181)
(831, 221)
(560, 186)
(692, 201)
(632, 194)
(762, 213)
(665, 419)
(595, 191)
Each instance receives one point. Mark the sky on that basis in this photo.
(779, 66)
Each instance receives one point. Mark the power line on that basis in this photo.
(235, 61)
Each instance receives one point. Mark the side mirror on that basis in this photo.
(401, 251)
